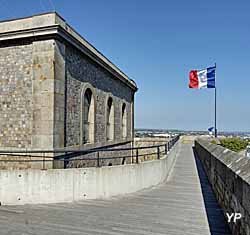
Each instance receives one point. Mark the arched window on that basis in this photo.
(110, 119)
(124, 121)
(88, 117)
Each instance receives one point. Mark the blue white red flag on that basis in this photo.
(202, 78)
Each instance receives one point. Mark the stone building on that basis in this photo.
(58, 91)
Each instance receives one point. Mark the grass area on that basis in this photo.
(233, 144)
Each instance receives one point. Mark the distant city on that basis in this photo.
(173, 132)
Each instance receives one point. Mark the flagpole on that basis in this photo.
(215, 109)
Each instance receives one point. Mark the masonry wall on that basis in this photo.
(150, 153)
(31, 92)
(43, 73)
(229, 175)
(40, 100)
(16, 102)
(33, 104)
(107, 158)
(81, 72)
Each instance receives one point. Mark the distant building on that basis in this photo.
(162, 135)
(57, 90)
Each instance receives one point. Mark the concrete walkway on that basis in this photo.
(176, 207)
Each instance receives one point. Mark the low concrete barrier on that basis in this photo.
(33, 186)
(229, 175)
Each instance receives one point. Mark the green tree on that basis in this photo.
(234, 144)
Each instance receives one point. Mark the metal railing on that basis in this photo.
(68, 155)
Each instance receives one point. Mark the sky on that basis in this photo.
(157, 43)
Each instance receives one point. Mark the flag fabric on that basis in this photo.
(202, 78)
(210, 129)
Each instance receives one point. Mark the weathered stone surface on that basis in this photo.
(42, 78)
(16, 102)
(81, 72)
(228, 173)
(150, 153)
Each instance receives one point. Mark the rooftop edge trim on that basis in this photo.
(53, 24)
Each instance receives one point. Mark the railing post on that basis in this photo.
(158, 152)
(98, 159)
(43, 161)
(137, 156)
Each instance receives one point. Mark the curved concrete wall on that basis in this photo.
(67, 185)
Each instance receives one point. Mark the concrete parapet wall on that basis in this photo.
(34, 186)
(229, 175)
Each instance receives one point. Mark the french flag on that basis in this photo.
(202, 78)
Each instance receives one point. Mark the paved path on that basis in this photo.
(176, 207)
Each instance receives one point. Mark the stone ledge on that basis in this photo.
(239, 164)
(228, 174)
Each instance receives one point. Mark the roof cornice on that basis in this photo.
(66, 33)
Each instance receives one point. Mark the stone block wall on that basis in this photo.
(229, 176)
(150, 153)
(107, 158)
(28, 89)
(44, 67)
(40, 97)
(82, 72)
(21, 162)
(16, 102)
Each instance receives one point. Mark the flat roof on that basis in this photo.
(52, 23)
